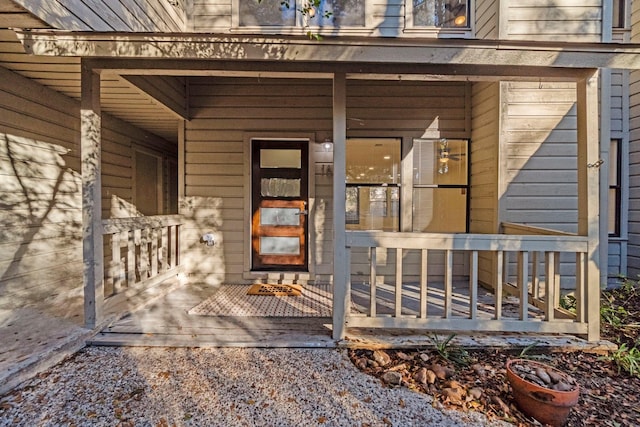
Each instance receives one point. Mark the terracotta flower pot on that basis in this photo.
(545, 404)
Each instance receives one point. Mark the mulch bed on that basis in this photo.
(608, 396)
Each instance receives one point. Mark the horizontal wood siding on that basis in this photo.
(108, 15)
(40, 193)
(567, 20)
(540, 143)
(226, 110)
(618, 91)
(633, 259)
(487, 19)
(485, 166)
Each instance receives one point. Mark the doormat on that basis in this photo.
(275, 290)
(232, 300)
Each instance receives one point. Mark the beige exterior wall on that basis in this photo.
(228, 112)
(566, 20)
(40, 194)
(487, 17)
(484, 204)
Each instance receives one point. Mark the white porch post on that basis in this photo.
(588, 195)
(90, 142)
(341, 267)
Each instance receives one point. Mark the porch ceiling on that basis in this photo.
(136, 67)
(119, 97)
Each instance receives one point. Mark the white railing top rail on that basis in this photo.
(471, 242)
(116, 225)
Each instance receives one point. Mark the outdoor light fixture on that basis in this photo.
(327, 145)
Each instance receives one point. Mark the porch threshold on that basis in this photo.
(371, 339)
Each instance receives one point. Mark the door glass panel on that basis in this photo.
(280, 158)
(279, 245)
(280, 187)
(279, 216)
(441, 210)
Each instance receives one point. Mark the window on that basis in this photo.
(439, 13)
(614, 188)
(440, 185)
(373, 190)
(619, 13)
(287, 13)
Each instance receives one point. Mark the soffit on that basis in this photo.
(119, 97)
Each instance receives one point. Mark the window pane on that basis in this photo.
(280, 158)
(267, 12)
(341, 13)
(373, 161)
(440, 162)
(279, 187)
(279, 216)
(441, 210)
(440, 13)
(618, 13)
(279, 246)
(613, 211)
(373, 208)
(613, 162)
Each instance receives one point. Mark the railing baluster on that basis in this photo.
(473, 286)
(398, 302)
(164, 249)
(448, 283)
(116, 263)
(373, 283)
(523, 283)
(581, 308)
(154, 252)
(535, 276)
(424, 257)
(131, 258)
(499, 281)
(173, 237)
(550, 288)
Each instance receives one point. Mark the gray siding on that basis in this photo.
(107, 15)
(228, 111)
(634, 177)
(633, 258)
(540, 143)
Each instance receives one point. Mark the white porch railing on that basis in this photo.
(433, 302)
(140, 251)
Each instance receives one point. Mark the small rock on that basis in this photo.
(478, 369)
(562, 386)
(404, 356)
(543, 375)
(555, 376)
(424, 357)
(381, 357)
(442, 372)
(392, 378)
(421, 376)
(475, 393)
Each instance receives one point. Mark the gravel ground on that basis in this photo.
(102, 386)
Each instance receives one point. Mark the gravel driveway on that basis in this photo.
(103, 386)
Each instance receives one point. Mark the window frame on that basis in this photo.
(617, 188)
(466, 187)
(440, 32)
(300, 26)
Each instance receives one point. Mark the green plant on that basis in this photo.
(627, 359)
(447, 351)
(568, 302)
(614, 316)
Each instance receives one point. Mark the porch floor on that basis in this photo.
(167, 322)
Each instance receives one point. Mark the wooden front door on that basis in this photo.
(280, 196)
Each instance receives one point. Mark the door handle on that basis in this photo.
(303, 212)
